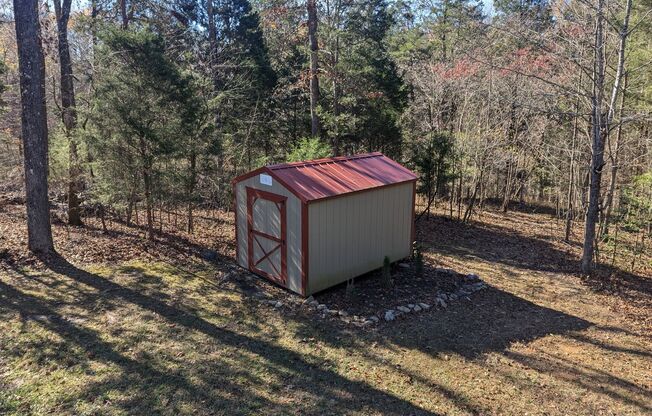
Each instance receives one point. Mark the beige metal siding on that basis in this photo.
(293, 227)
(352, 234)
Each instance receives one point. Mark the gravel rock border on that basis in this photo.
(442, 301)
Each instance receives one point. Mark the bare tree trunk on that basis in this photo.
(508, 187)
(69, 111)
(459, 197)
(571, 170)
(191, 189)
(569, 201)
(147, 185)
(212, 37)
(336, 97)
(471, 202)
(130, 210)
(614, 157)
(314, 67)
(102, 218)
(34, 124)
(123, 14)
(600, 126)
(597, 146)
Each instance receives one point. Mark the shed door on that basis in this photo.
(267, 234)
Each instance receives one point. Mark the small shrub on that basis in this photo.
(350, 288)
(418, 260)
(387, 272)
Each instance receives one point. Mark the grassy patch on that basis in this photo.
(148, 337)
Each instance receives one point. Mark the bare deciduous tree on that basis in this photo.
(68, 110)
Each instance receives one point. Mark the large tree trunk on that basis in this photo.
(597, 147)
(69, 112)
(34, 124)
(314, 80)
(600, 125)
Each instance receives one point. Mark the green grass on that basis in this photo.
(151, 338)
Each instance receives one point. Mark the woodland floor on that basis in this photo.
(117, 325)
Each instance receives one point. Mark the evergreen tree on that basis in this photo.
(146, 115)
(361, 108)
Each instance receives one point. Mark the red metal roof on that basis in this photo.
(325, 178)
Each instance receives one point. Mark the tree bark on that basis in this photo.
(314, 66)
(571, 171)
(600, 125)
(147, 186)
(31, 66)
(68, 111)
(212, 37)
(614, 157)
(124, 14)
(192, 182)
(508, 187)
(336, 98)
(597, 146)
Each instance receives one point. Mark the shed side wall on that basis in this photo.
(293, 227)
(352, 234)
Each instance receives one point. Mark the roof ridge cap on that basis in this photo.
(324, 161)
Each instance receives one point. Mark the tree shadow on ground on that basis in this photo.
(493, 320)
(490, 320)
(220, 386)
(492, 243)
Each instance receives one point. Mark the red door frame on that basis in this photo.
(281, 203)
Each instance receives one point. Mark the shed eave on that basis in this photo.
(270, 172)
(250, 174)
(359, 191)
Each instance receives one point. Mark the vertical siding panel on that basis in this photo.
(391, 194)
(311, 245)
(358, 222)
(351, 235)
(398, 220)
(400, 212)
(345, 213)
(316, 237)
(407, 217)
(389, 231)
(386, 209)
(378, 243)
(366, 215)
(342, 230)
(334, 224)
(319, 238)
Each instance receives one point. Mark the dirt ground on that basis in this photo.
(117, 325)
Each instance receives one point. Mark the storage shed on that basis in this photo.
(311, 225)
